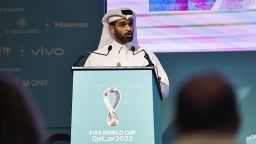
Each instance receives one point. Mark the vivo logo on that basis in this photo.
(47, 52)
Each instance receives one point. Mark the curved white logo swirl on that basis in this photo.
(112, 117)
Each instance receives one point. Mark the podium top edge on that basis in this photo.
(112, 68)
(121, 68)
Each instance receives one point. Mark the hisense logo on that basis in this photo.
(62, 24)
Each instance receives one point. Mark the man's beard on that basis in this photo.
(123, 38)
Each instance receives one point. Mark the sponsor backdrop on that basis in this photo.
(39, 41)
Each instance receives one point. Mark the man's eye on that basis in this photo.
(122, 24)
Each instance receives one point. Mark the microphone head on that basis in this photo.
(109, 47)
(81, 56)
(133, 48)
(118, 64)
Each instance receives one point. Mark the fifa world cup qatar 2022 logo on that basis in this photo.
(112, 117)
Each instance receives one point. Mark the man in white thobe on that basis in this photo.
(119, 33)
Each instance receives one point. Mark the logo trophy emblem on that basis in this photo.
(112, 117)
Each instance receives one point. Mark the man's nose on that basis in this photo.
(128, 28)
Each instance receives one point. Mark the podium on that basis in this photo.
(115, 105)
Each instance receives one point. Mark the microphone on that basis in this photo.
(146, 56)
(109, 49)
(82, 57)
(78, 61)
(150, 63)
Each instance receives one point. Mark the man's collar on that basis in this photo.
(127, 45)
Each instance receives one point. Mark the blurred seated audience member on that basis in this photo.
(19, 123)
(207, 111)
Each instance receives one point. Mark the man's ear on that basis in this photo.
(111, 29)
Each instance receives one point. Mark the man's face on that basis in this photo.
(122, 30)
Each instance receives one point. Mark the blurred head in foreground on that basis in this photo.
(207, 104)
(19, 124)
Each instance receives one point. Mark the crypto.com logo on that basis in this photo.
(22, 28)
(22, 22)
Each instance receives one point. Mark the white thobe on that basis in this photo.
(122, 55)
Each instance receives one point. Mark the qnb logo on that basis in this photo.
(22, 22)
(35, 83)
(72, 25)
(47, 52)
